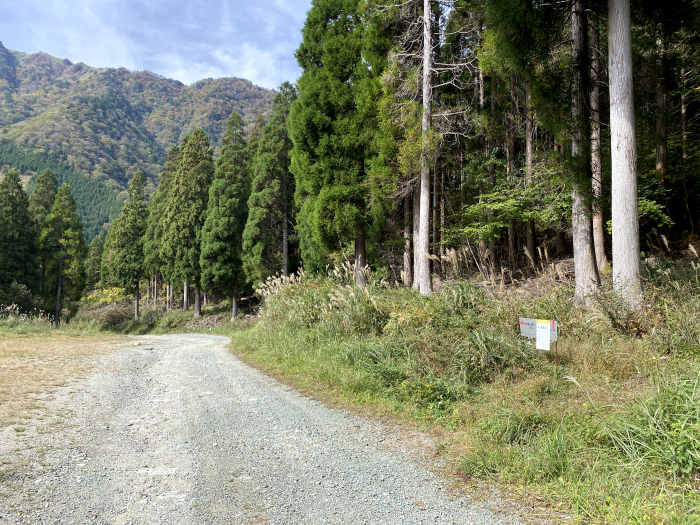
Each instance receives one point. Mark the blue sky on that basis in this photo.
(183, 39)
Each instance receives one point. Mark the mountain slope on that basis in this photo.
(106, 123)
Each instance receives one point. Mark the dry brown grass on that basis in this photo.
(31, 366)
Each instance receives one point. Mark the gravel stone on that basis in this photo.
(175, 430)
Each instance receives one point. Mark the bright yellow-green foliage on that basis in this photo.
(105, 296)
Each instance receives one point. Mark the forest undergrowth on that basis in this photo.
(610, 433)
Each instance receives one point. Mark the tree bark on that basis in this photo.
(185, 297)
(510, 168)
(426, 284)
(360, 258)
(234, 303)
(434, 224)
(285, 221)
(59, 305)
(137, 300)
(407, 266)
(585, 269)
(197, 301)
(416, 223)
(596, 157)
(661, 122)
(625, 220)
(171, 296)
(529, 169)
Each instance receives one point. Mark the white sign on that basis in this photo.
(543, 333)
(528, 328)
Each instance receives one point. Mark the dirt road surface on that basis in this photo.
(176, 430)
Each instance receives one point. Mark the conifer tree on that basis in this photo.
(226, 215)
(43, 197)
(17, 235)
(155, 260)
(124, 242)
(266, 234)
(186, 211)
(255, 135)
(93, 263)
(62, 238)
(327, 130)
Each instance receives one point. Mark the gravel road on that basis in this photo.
(176, 430)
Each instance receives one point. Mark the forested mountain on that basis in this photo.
(97, 203)
(106, 123)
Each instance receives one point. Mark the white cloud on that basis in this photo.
(183, 39)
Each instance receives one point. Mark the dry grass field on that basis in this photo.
(31, 366)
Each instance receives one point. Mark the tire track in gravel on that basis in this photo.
(176, 430)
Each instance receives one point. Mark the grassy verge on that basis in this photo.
(611, 434)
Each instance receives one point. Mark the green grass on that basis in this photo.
(610, 435)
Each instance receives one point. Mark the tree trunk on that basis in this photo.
(492, 168)
(596, 157)
(360, 258)
(416, 223)
(661, 124)
(185, 297)
(625, 218)
(59, 305)
(234, 303)
(171, 296)
(137, 300)
(559, 243)
(407, 266)
(285, 227)
(197, 301)
(426, 284)
(684, 117)
(529, 170)
(434, 224)
(684, 147)
(510, 168)
(585, 269)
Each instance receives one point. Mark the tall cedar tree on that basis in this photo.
(266, 234)
(326, 128)
(93, 263)
(154, 258)
(186, 211)
(125, 241)
(62, 238)
(17, 235)
(226, 215)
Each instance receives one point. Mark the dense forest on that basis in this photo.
(430, 139)
(97, 204)
(106, 123)
(426, 141)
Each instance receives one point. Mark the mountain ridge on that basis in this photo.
(107, 122)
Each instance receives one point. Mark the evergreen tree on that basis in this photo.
(154, 260)
(226, 215)
(40, 203)
(125, 242)
(327, 130)
(186, 211)
(255, 135)
(43, 197)
(93, 263)
(266, 234)
(17, 235)
(62, 238)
